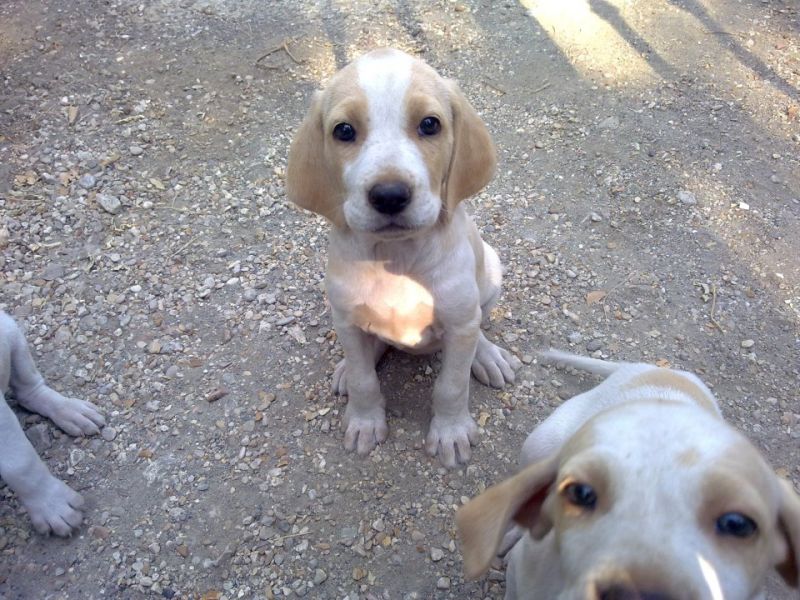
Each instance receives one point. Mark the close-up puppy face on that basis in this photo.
(388, 148)
(691, 516)
(657, 501)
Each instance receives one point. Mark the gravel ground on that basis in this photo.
(647, 207)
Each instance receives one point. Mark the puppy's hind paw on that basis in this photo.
(494, 366)
(54, 508)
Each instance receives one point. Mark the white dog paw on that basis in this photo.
(77, 417)
(339, 386)
(493, 365)
(364, 431)
(54, 507)
(451, 439)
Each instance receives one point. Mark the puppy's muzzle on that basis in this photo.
(390, 198)
(625, 591)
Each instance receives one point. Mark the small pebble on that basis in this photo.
(594, 345)
(87, 181)
(108, 433)
(747, 343)
(320, 576)
(609, 123)
(110, 204)
(135, 150)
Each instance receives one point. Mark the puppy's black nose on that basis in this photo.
(625, 592)
(389, 198)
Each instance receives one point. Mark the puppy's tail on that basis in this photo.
(602, 368)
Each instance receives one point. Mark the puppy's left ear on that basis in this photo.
(473, 160)
(789, 523)
(483, 521)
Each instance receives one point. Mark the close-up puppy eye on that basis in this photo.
(581, 494)
(344, 132)
(429, 126)
(736, 524)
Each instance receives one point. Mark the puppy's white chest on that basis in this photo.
(396, 308)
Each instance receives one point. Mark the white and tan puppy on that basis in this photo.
(637, 489)
(387, 152)
(52, 505)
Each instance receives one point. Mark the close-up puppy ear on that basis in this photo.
(789, 523)
(483, 521)
(473, 160)
(311, 182)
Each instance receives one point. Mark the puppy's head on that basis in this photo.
(388, 148)
(648, 500)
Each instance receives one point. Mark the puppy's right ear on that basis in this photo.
(311, 181)
(482, 522)
(789, 521)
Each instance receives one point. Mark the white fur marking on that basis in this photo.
(385, 80)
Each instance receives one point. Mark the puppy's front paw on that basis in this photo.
(494, 366)
(364, 431)
(451, 438)
(77, 417)
(54, 507)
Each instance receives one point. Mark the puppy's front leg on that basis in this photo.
(452, 428)
(76, 417)
(51, 503)
(365, 415)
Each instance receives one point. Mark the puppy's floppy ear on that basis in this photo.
(311, 181)
(789, 523)
(473, 159)
(483, 521)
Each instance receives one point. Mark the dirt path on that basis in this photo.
(647, 206)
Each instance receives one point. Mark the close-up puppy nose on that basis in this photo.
(389, 198)
(626, 592)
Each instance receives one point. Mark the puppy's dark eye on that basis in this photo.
(344, 132)
(429, 126)
(581, 494)
(736, 524)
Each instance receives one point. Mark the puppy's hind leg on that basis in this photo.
(492, 365)
(51, 503)
(76, 417)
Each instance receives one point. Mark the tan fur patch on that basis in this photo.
(427, 97)
(316, 159)
(689, 457)
(473, 159)
(483, 521)
(589, 471)
(741, 482)
(664, 378)
(406, 326)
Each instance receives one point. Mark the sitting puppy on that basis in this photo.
(637, 489)
(51, 504)
(387, 153)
